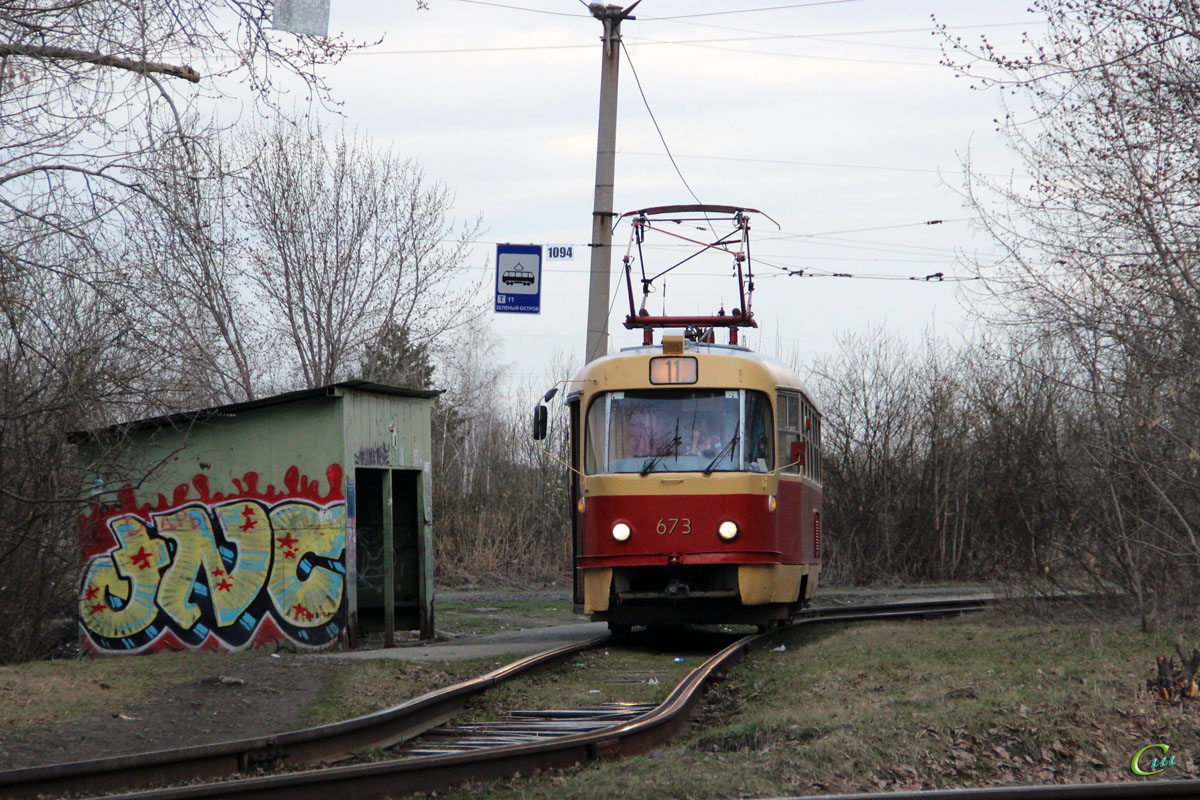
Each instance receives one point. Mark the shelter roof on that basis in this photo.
(185, 418)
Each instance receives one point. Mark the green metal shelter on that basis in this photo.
(300, 521)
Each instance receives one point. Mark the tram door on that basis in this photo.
(575, 493)
(388, 550)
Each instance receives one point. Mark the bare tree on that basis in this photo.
(81, 86)
(186, 259)
(349, 244)
(502, 500)
(1102, 253)
(101, 139)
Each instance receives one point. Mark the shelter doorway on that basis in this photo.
(389, 552)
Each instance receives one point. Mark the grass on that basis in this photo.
(360, 687)
(41, 692)
(936, 704)
(476, 617)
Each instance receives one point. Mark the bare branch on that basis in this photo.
(185, 72)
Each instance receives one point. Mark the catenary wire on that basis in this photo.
(750, 10)
(833, 165)
(523, 8)
(873, 32)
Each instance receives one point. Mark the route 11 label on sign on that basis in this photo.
(518, 278)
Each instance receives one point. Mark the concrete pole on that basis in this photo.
(602, 207)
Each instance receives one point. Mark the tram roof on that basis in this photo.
(784, 375)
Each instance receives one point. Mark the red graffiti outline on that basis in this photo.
(95, 537)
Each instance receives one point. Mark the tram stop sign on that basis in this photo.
(519, 278)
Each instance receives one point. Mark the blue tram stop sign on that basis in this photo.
(518, 279)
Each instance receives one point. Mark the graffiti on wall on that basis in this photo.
(217, 571)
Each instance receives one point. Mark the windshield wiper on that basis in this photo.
(727, 448)
(652, 462)
(668, 450)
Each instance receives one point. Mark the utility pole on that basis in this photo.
(602, 207)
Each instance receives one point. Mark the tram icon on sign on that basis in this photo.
(518, 275)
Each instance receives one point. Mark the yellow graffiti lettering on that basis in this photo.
(247, 526)
(231, 589)
(119, 587)
(1137, 770)
(195, 545)
(300, 529)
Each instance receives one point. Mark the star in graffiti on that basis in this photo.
(248, 512)
(288, 541)
(92, 591)
(291, 554)
(218, 572)
(224, 585)
(301, 611)
(96, 609)
(141, 558)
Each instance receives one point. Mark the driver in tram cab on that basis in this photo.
(705, 441)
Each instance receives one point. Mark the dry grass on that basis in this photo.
(360, 687)
(40, 692)
(459, 618)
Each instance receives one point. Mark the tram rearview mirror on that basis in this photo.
(796, 456)
(541, 418)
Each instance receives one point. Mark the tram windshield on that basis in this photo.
(673, 430)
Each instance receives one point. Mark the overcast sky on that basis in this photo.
(835, 118)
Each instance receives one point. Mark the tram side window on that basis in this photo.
(789, 429)
(758, 433)
(816, 447)
(810, 430)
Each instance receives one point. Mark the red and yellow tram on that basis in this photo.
(695, 477)
(697, 486)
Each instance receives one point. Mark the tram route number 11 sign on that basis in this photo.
(519, 278)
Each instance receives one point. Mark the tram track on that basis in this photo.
(530, 743)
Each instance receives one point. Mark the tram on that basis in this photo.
(695, 467)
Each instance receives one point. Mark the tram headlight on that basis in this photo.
(621, 531)
(728, 530)
(770, 503)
